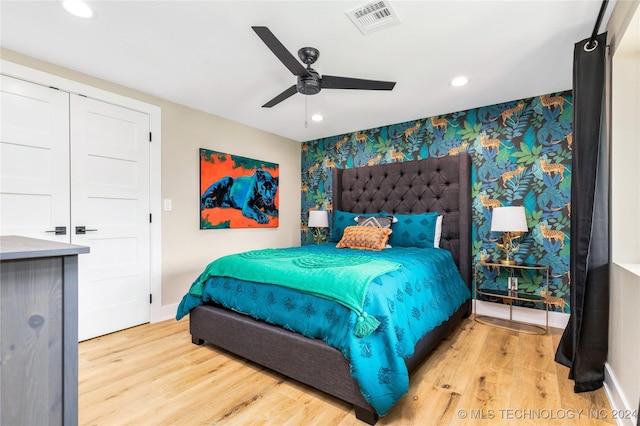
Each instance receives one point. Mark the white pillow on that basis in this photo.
(438, 233)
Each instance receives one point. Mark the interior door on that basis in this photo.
(34, 160)
(110, 214)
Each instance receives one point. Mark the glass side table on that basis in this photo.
(489, 285)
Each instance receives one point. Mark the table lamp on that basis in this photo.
(513, 223)
(318, 219)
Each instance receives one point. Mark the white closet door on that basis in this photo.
(34, 160)
(110, 199)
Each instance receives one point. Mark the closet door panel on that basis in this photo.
(34, 160)
(110, 198)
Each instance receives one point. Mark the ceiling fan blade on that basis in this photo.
(333, 82)
(280, 51)
(281, 97)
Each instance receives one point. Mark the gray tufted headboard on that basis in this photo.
(440, 185)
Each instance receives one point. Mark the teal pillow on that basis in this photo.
(414, 230)
(340, 221)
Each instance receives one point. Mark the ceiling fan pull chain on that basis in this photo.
(305, 111)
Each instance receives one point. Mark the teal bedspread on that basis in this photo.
(343, 279)
(408, 301)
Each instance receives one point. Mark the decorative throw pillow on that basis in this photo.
(377, 221)
(414, 230)
(364, 238)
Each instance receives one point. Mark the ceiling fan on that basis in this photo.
(309, 81)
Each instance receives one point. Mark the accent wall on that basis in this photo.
(521, 155)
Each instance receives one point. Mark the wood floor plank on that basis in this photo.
(153, 374)
(448, 369)
(490, 382)
(536, 352)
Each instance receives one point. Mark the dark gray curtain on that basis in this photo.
(583, 347)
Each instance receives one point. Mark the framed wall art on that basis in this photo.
(237, 192)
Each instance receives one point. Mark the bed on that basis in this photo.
(432, 185)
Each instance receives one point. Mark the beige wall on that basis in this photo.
(624, 321)
(186, 250)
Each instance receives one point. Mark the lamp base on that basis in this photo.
(509, 246)
(318, 236)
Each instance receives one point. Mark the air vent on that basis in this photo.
(373, 16)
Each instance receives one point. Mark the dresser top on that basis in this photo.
(16, 247)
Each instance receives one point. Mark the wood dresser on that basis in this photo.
(38, 331)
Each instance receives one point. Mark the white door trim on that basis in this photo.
(155, 189)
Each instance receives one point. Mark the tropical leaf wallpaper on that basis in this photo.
(521, 155)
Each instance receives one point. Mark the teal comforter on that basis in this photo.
(409, 302)
(343, 279)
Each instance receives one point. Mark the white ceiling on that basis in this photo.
(205, 55)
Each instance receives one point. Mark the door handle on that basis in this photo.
(60, 230)
(81, 230)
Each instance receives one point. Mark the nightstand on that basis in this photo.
(493, 280)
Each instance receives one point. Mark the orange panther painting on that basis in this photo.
(237, 192)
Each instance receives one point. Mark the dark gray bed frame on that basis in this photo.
(434, 184)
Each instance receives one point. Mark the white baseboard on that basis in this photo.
(168, 312)
(533, 316)
(617, 399)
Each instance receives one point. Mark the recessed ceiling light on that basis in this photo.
(77, 8)
(459, 81)
(317, 117)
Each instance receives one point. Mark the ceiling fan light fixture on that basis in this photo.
(309, 84)
(78, 8)
(459, 81)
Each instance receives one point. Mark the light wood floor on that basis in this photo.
(154, 375)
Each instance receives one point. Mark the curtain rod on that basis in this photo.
(603, 7)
